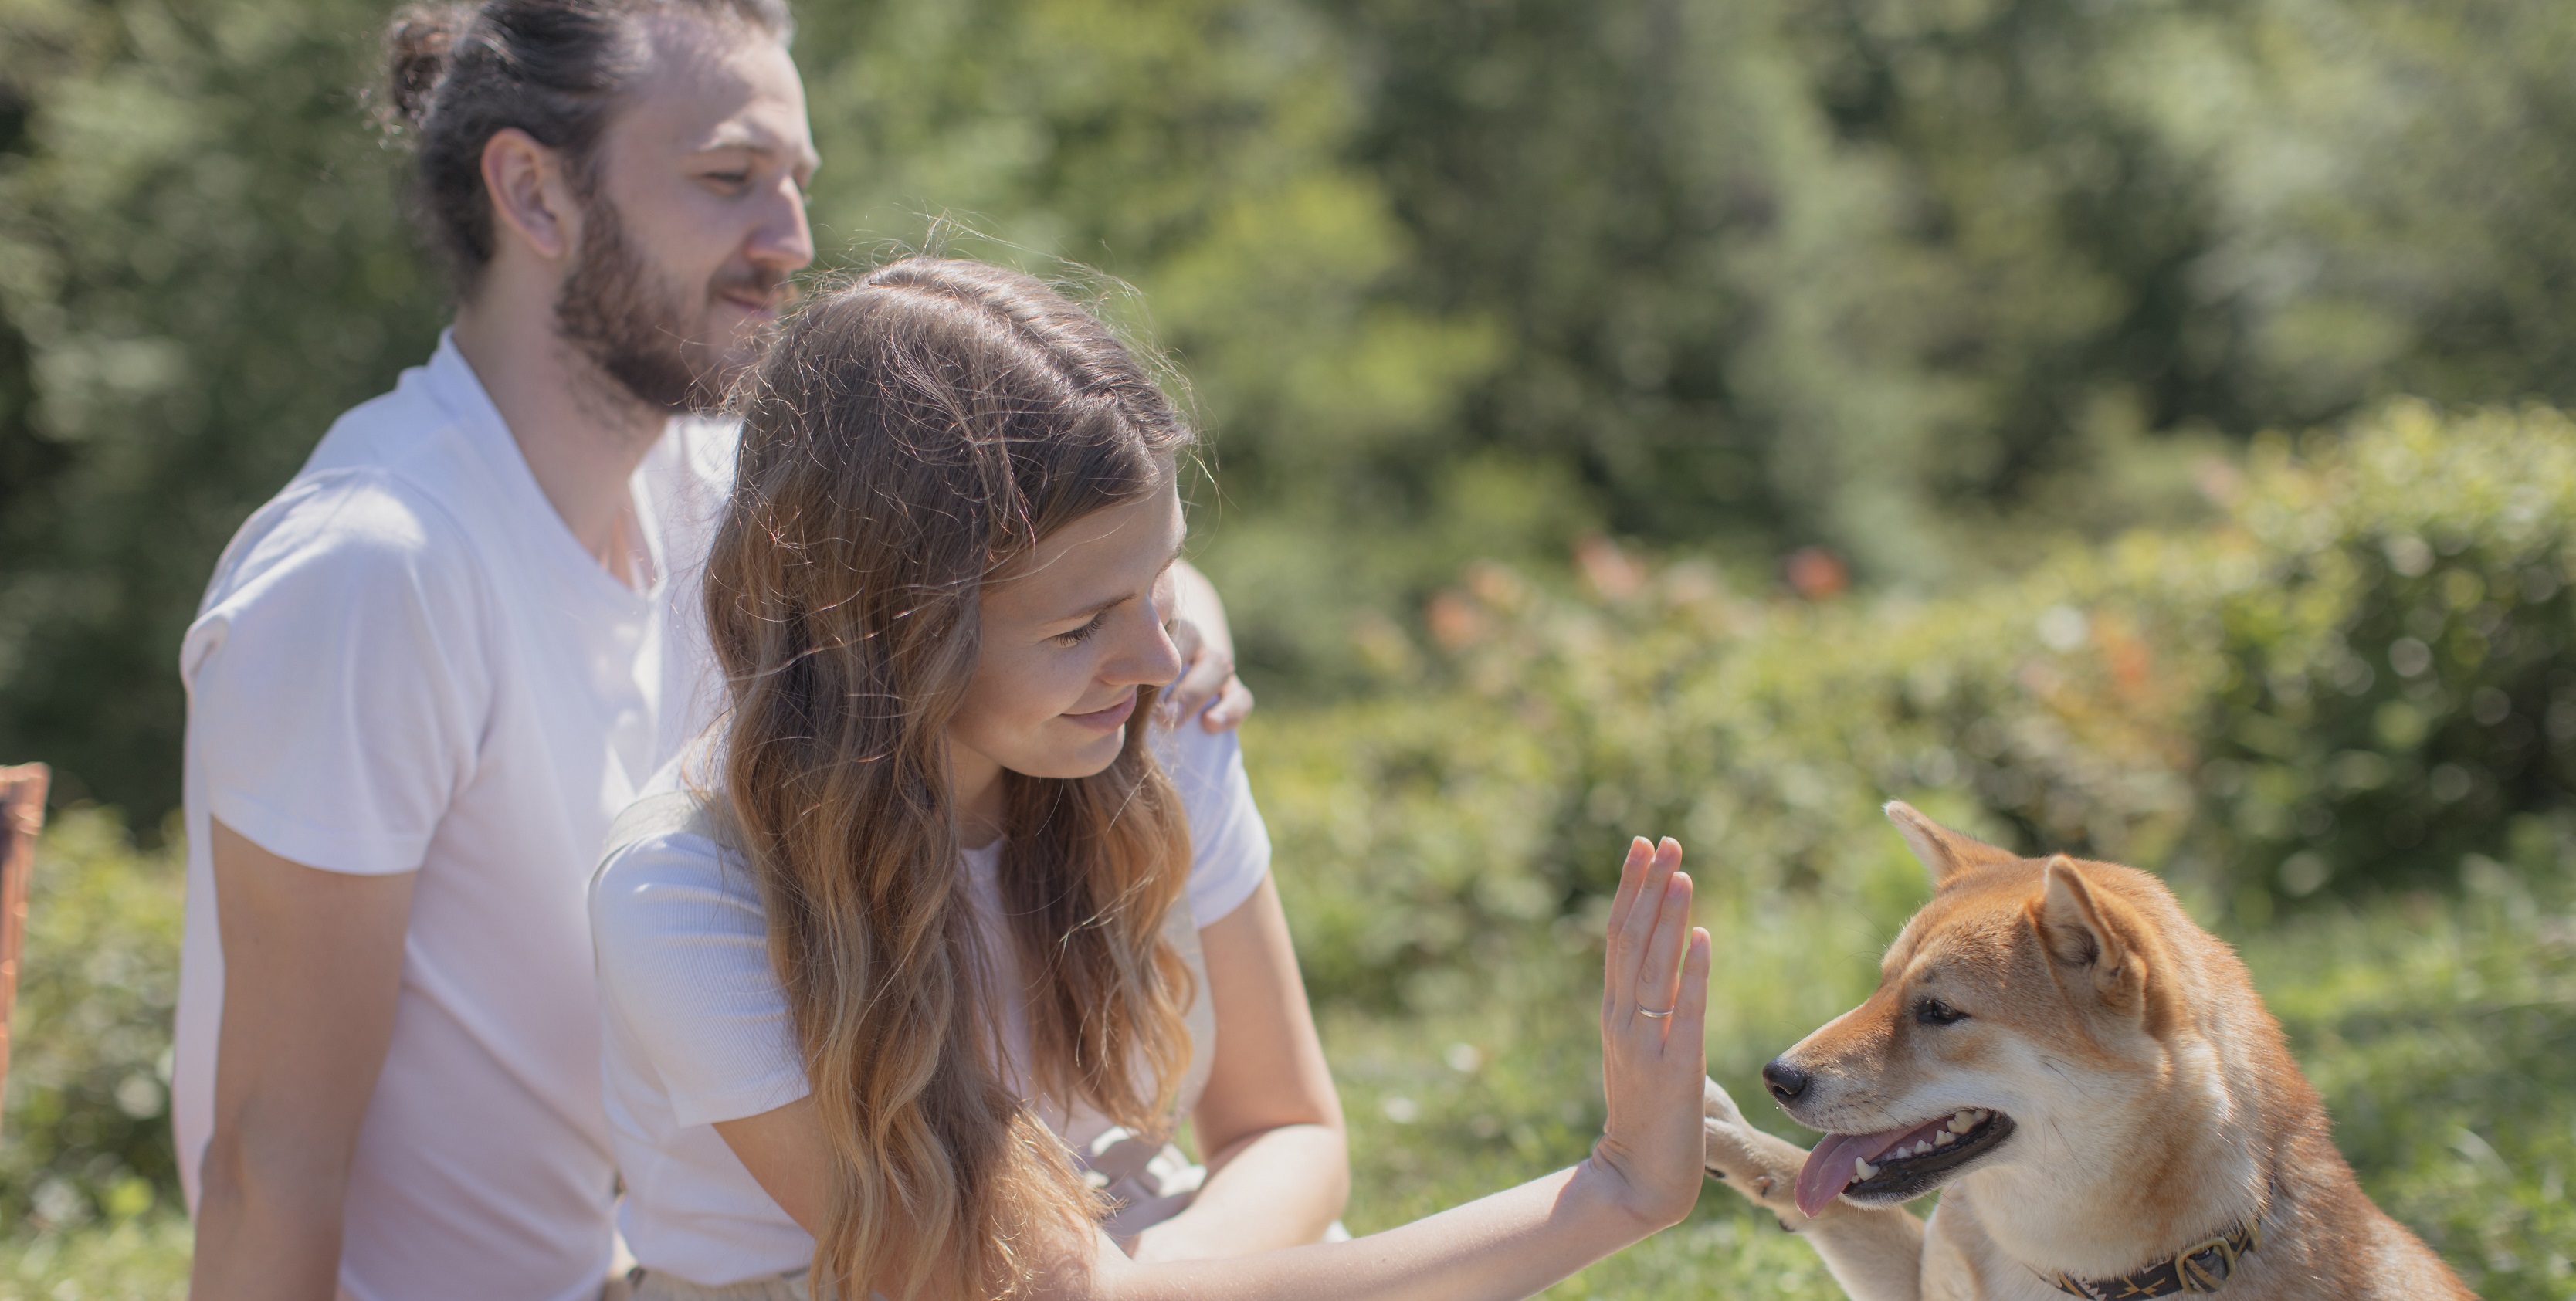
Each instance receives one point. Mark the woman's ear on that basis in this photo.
(532, 199)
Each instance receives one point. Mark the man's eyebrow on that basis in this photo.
(736, 138)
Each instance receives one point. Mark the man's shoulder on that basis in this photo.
(384, 494)
(355, 527)
(404, 433)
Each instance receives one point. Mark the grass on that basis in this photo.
(2442, 1030)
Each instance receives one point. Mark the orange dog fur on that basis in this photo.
(2093, 1084)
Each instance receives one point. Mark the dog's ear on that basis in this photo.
(2082, 931)
(1945, 853)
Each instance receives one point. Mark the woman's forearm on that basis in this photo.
(1281, 1188)
(1513, 1244)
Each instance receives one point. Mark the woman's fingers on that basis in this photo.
(1629, 936)
(1690, 1004)
(1632, 873)
(1658, 975)
(1632, 879)
(1631, 931)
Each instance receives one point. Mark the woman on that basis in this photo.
(915, 991)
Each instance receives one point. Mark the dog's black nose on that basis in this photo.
(1786, 1081)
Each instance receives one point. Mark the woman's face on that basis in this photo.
(1069, 635)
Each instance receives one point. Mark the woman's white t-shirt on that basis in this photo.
(697, 1028)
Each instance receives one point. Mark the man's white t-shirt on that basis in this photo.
(406, 662)
(698, 1029)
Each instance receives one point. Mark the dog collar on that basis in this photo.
(2200, 1267)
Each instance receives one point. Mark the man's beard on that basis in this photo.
(628, 322)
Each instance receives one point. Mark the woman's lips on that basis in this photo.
(1107, 720)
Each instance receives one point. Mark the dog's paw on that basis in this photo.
(1759, 1165)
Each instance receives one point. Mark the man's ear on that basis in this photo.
(532, 199)
(1945, 853)
(2082, 932)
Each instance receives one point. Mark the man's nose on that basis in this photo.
(1787, 1082)
(785, 240)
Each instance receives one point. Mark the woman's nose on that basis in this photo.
(1149, 658)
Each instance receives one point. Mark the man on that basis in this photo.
(427, 674)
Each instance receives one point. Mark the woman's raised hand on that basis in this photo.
(1654, 1006)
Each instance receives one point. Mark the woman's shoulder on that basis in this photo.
(1229, 845)
(666, 876)
(1203, 766)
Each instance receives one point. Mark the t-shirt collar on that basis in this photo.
(457, 389)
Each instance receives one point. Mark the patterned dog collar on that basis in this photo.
(2200, 1267)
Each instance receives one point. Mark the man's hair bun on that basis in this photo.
(456, 72)
(417, 44)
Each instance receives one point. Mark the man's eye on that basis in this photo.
(1933, 1011)
(729, 178)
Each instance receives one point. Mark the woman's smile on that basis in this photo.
(1110, 719)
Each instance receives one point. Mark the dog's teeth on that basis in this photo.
(1960, 1123)
(1862, 1169)
(1943, 1138)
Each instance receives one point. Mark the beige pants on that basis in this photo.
(651, 1285)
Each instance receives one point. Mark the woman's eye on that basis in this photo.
(1083, 634)
(730, 180)
(1933, 1011)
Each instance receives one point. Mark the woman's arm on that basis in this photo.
(1269, 1123)
(1642, 1176)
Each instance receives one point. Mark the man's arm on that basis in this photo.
(312, 970)
(1270, 1122)
(1208, 651)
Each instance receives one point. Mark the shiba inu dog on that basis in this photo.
(2090, 1081)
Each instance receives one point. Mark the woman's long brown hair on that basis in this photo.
(913, 435)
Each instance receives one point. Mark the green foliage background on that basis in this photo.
(1995, 299)
(1920, 280)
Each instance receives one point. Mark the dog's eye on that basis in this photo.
(1933, 1011)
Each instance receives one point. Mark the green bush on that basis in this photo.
(85, 1135)
(2361, 676)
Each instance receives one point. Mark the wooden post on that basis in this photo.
(22, 815)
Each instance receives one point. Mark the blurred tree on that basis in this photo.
(1918, 281)
(202, 261)
(2394, 186)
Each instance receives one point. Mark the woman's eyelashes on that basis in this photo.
(1082, 634)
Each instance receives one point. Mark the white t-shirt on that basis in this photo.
(698, 1029)
(405, 661)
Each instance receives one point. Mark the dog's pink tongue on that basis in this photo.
(1829, 1167)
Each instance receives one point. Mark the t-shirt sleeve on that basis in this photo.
(684, 964)
(337, 690)
(1229, 845)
